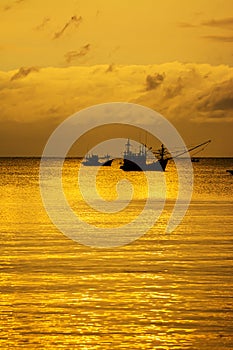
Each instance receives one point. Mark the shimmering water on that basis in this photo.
(160, 292)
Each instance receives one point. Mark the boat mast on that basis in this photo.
(162, 152)
(127, 145)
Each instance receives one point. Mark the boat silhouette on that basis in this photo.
(137, 161)
(94, 160)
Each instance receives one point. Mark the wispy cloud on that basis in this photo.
(74, 20)
(73, 55)
(43, 23)
(23, 72)
(186, 25)
(222, 38)
(10, 6)
(222, 22)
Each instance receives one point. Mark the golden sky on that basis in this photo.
(57, 57)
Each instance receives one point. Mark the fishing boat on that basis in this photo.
(94, 160)
(91, 160)
(137, 161)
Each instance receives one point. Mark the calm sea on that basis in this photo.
(163, 291)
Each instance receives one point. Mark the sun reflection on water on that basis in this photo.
(160, 292)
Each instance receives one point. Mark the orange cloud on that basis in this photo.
(191, 91)
(43, 24)
(222, 38)
(74, 20)
(196, 98)
(153, 81)
(73, 55)
(9, 7)
(222, 22)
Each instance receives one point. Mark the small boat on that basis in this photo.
(230, 171)
(91, 160)
(94, 160)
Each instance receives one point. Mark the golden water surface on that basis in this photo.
(160, 292)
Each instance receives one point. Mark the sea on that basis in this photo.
(162, 291)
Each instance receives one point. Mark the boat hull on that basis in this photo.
(159, 165)
(91, 164)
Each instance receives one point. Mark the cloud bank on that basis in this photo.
(190, 95)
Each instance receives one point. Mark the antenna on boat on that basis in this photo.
(192, 148)
(161, 153)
